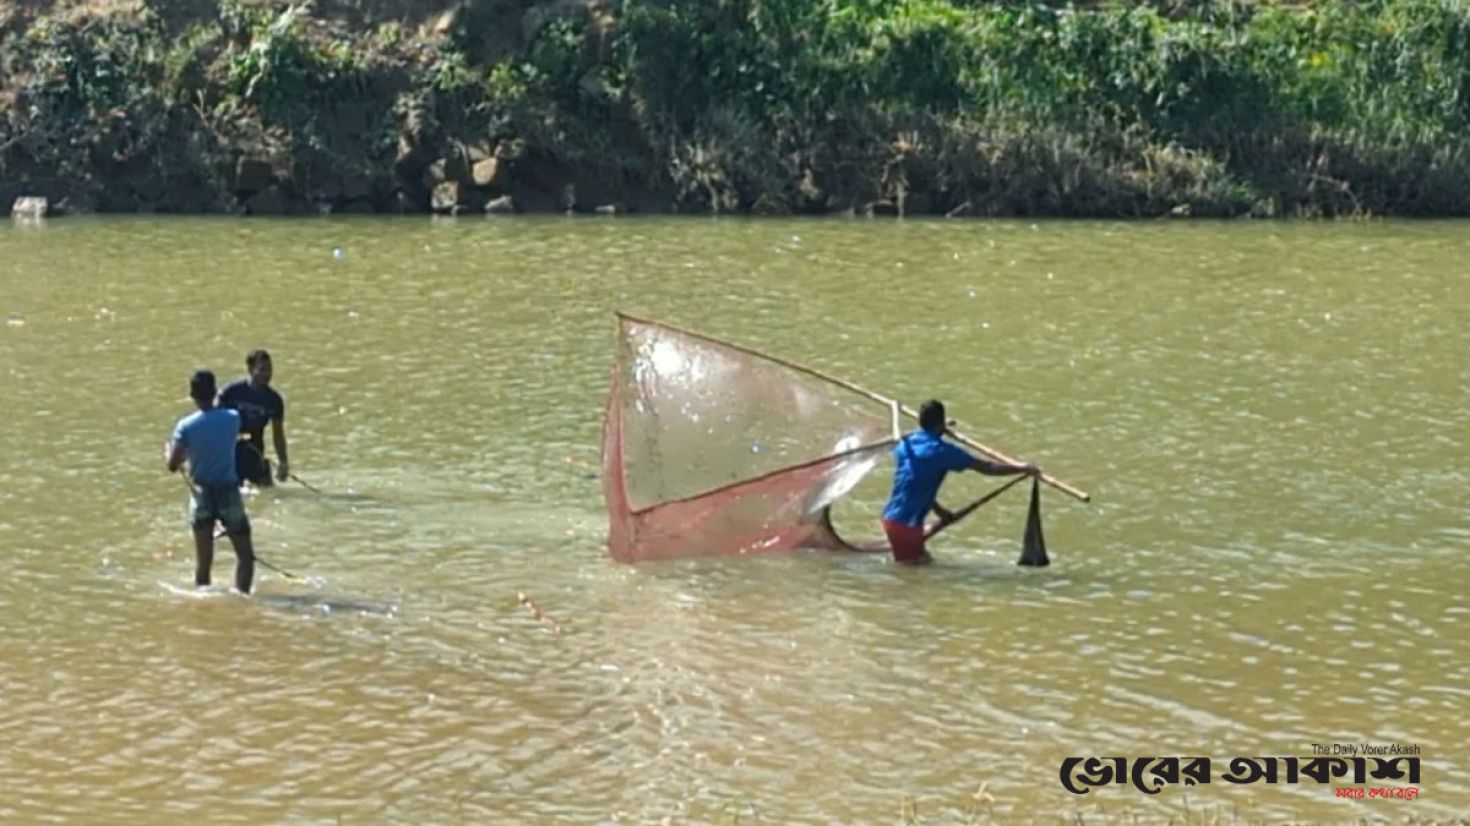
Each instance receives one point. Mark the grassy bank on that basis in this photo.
(768, 106)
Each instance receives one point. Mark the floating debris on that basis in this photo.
(538, 613)
(14, 320)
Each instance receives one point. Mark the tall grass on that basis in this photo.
(1327, 107)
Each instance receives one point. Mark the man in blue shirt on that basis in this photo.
(258, 404)
(921, 461)
(206, 438)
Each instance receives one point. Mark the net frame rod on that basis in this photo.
(972, 507)
(846, 454)
(877, 397)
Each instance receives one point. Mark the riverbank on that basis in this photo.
(924, 107)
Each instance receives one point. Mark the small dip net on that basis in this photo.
(709, 448)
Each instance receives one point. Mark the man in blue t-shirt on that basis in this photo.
(258, 404)
(921, 461)
(206, 438)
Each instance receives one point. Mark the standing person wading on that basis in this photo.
(258, 404)
(206, 439)
(921, 461)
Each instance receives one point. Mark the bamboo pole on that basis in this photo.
(970, 508)
(877, 397)
(1001, 457)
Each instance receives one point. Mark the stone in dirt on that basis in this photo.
(446, 197)
(504, 205)
(29, 208)
(486, 172)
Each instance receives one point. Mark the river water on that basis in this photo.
(1271, 417)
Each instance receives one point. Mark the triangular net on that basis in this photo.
(712, 449)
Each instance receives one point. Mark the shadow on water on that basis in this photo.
(327, 604)
(327, 497)
(304, 603)
(951, 567)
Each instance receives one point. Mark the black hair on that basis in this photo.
(256, 357)
(931, 416)
(202, 385)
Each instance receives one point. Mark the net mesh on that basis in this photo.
(711, 449)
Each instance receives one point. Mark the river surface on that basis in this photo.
(1271, 417)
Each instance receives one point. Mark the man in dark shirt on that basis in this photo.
(258, 404)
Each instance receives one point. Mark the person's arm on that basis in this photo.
(990, 467)
(174, 455)
(278, 437)
(952, 459)
(956, 459)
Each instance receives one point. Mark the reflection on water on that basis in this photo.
(1268, 416)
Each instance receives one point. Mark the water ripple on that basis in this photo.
(1268, 416)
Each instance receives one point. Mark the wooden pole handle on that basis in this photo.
(1001, 457)
(970, 508)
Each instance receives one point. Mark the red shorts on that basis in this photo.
(906, 541)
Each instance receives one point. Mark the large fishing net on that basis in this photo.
(712, 449)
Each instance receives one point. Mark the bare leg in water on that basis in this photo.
(204, 558)
(203, 554)
(244, 561)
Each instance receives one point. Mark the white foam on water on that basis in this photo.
(199, 592)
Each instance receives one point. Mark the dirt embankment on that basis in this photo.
(268, 108)
(933, 107)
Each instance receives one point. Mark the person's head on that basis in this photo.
(202, 388)
(258, 363)
(931, 416)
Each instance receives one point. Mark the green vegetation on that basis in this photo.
(917, 106)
